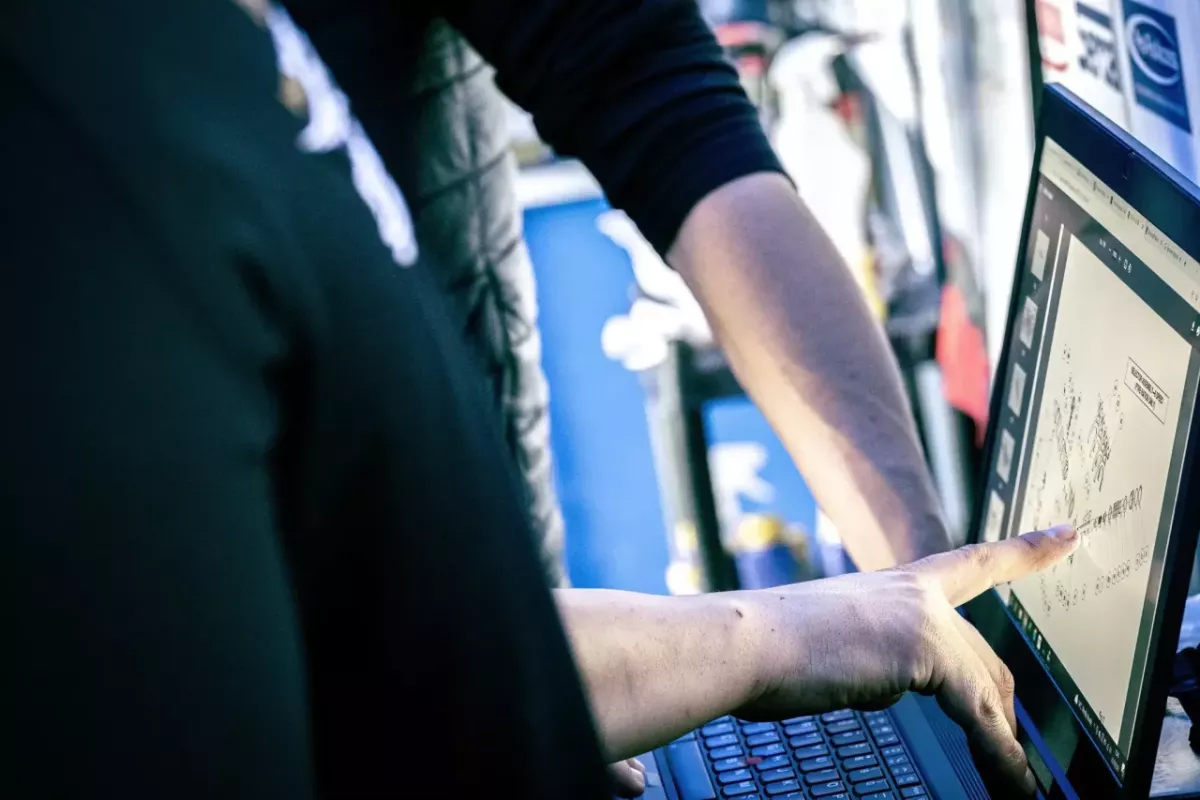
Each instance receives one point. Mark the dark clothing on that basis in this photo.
(638, 89)
(462, 194)
(258, 538)
(259, 534)
(593, 72)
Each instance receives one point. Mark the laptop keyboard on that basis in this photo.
(842, 755)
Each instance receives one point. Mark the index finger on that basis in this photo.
(970, 571)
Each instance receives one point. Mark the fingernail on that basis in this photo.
(1030, 781)
(637, 764)
(1063, 533)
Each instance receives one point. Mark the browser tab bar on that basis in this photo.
(1159, 253)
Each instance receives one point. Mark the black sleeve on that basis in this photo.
(151, 646)
(639, 90)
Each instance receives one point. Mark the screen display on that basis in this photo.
(1097, 397)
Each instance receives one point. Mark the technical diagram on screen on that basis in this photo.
(1100, 389)
(1100, 460)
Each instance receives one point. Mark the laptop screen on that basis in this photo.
(1098, 392)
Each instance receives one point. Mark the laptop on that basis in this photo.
(1092, 422)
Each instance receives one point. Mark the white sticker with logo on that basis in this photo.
(331, 127)
(1154, 50)
(1152, 37)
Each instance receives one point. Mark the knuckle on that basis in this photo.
(915, 660)
(909, 594)
(1014, 756)
(920, 589)
(916, 628)
(1005, 683)
(980, 557)
(990, 705)
(925, 647)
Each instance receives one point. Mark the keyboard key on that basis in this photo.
(843, 726)
(837, 716)
(774, 762)
(860, 762)
(794, 720)
(726, 764)
(717, 728)
(736, 776)
(739, 789)
(751, 728)
(849, 751)
(800, 728)
(881, 730)
(871, 787)
(826, 789)
(890, 739)
(880, 796)
(803, 753)
(906, 780)
(894, 750)
(807, 740)
(853, 737)
(774, 775)
(767, 750)
(912, 791)
(897, 760)
(723, 740)
(734, 751)
(782, 787)
(822, 762)
(762, 738)
(687, 736)
(902, 769)
(821, 776)
(687, 767)
(868, 774)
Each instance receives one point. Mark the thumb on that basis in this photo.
(628, 777)
(970, 571)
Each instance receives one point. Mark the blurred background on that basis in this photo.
(908, 129)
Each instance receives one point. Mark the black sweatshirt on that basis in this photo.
(637, 89)
(258, 537)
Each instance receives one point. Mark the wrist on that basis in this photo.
(752, 645)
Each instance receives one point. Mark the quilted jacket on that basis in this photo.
(462, 197)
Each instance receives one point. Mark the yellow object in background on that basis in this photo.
(683, 573)
(687, 543)
(867, 283)
(757, 532)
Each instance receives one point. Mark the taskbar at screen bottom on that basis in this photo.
(1084, 712)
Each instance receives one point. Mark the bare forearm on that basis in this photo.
(799, 337)
(656, 667)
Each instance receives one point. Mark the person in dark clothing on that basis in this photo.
(260, 535)
(641, 93)
(460, 201)
(468, 221)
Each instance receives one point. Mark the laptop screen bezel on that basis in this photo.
(1171, 203)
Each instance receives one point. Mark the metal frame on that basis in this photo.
(678, 390)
